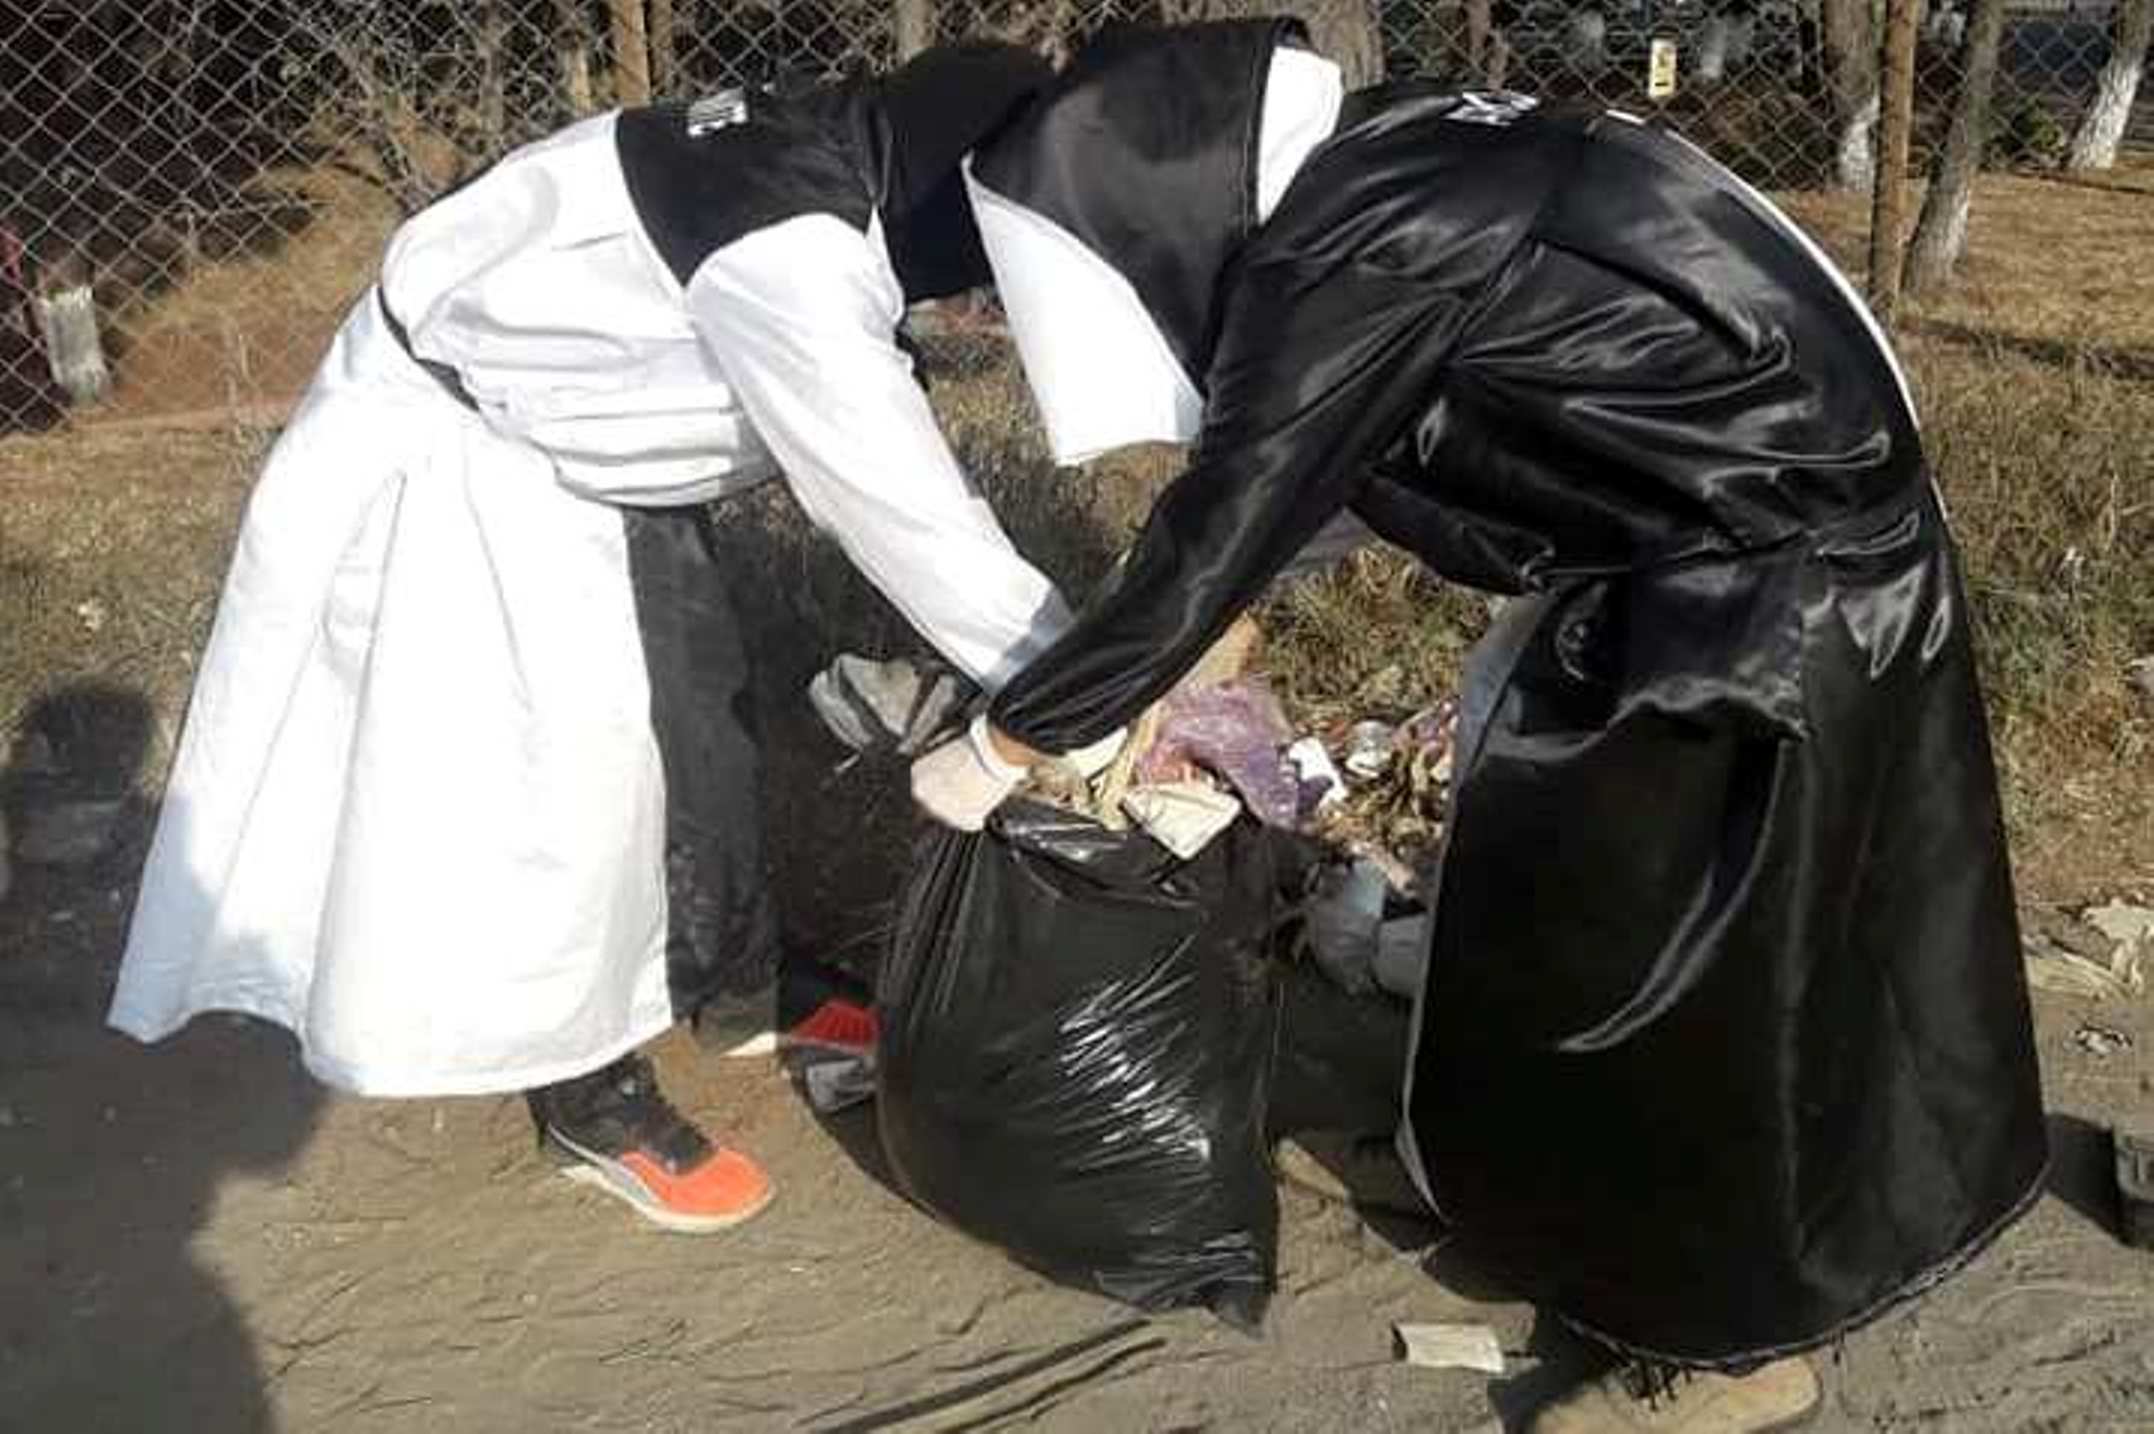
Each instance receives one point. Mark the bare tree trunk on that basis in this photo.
(1851, 45)
(631, 54)
(1347, 32)
(490, 33)
(1941, 232)
(2101, 130)
(1889, 200)
(1497, 67)
(574, 42)
(915, 22)
(1480, 30)
(665, 54)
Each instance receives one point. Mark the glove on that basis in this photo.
(964, 779)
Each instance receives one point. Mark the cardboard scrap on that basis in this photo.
(1450, 1346)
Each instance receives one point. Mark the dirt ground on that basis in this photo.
(198, 1237)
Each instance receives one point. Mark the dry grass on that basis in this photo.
(2060, 266)
(250, 327)
(111, 552)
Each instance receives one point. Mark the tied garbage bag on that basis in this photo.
(1077, 1036)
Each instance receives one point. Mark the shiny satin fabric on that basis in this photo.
(1076, 1054)
(1137, 131)
(1725, 1043)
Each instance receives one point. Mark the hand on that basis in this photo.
(965, 778)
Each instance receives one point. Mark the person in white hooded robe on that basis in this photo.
(465, 798)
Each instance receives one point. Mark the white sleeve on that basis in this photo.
(802, 317)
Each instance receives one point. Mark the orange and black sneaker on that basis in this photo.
(614, 1130)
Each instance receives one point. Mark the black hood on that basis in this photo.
(936, 108)
(1145, 150)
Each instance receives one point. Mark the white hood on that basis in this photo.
(1100, 369)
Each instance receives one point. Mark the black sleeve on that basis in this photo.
(1318, 366)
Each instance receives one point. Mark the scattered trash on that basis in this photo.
(1370, 747)
(1183, 817)
(1449, 1346)
(1321, 785)
(2101, 1042)
(2101, 955)
(1395, 810)
(2131, 929)
(1402, 955)
(1236, 730)
(1403, 878)
(69, 833)
(836, 1083)
(2140, 672)
(2135, 1186)
(92, 612)
(2052, 968)
(893, 704)
(1341, 921)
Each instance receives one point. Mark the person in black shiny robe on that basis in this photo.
(1725, 1044)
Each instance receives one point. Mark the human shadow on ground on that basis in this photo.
(112, 1155)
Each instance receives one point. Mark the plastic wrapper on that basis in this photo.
(1077, 1042)
(1237, 730)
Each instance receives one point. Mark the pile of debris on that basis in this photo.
(1370, 793)
(2100, 954)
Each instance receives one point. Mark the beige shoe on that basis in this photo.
(1350, 1169)
(1779, 1395)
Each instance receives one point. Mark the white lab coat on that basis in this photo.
(417, 815)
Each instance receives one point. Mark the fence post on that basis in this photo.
(631, 54)
(1850, 42)
(1888, 202)
(915, 27)
(67, 318)
(665, 48)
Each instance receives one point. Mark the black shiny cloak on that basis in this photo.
(1725, 1044)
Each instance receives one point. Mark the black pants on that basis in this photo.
(722, 936)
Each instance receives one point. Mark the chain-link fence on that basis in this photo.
(192, 191)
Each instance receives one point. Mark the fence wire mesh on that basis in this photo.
(193, 191)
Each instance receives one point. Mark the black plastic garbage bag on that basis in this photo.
(1077, 1044)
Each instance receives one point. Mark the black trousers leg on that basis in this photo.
(723, 933)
